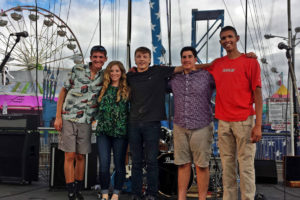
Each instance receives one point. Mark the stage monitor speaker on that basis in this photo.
(292, 168)
(57, 176)
(19, 122)
(19, 156)
(265, 171)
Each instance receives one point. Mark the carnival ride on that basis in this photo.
(44, 45)
(35, 64)
(50, 42)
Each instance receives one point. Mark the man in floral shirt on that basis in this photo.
(76, 106)
(193, 127)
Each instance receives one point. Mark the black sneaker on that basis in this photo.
(72, 196)
(150, 197)
(79, 196)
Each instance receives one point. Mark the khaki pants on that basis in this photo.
(234, 141)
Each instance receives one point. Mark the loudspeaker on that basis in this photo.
(19, 122)
(292, 168)
(19, 156)
(265, 171)
(57, 175)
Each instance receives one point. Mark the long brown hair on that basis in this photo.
(123, 90)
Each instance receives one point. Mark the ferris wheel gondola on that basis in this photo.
(50, 41)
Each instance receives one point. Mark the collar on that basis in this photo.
(88, 70)
(192, 72)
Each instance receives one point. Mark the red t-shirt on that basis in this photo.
(235, 79)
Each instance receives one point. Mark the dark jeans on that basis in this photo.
(119, 147)
(144, 143)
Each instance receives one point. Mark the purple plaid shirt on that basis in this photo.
(192, 99)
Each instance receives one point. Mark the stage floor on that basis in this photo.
(40, 191)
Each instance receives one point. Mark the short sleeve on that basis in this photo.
(211, 68)
(255, 75)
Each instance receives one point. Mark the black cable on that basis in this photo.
(99, 22)
(168, 6)
(129, 25)
(232, 22)
(286, 136)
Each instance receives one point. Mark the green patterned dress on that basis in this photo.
(112, 116)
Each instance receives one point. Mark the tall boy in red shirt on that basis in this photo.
(238, 86)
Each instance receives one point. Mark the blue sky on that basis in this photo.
(41, 3)
(83, 21)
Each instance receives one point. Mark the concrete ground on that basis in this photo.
(40, 191)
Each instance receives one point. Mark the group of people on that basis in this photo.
(129, 107)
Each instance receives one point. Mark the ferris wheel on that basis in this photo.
(50, 42)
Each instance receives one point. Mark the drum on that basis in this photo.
(166, 140)
(168, 175)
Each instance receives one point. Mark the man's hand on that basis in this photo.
(251, 55)
(256, 134)
(58, 123)
(133, 69)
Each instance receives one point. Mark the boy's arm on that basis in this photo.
(201, 66)
(179, 69)
(256, 131)
(60, 101)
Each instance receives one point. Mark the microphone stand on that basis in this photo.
(8, 54)
(295, 98)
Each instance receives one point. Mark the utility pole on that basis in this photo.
(290, 82)
(128, 59)
(293, 96)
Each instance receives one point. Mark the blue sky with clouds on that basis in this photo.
(83, 20)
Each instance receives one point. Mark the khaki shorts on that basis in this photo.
(193, 145)
(75, 137)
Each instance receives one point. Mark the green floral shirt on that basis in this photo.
(112, 116)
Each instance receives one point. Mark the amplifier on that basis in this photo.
(19, 156)
(265, 171)
(19, 121)
(291, 166)
(57, 176)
